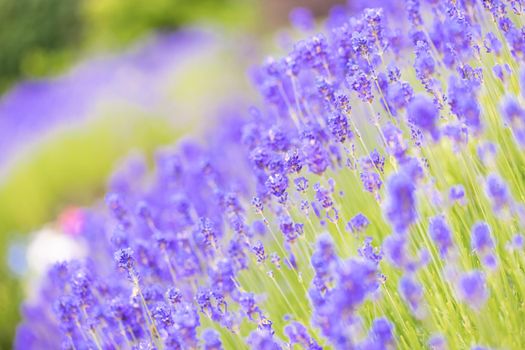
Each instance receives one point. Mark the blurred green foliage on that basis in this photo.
(41, 37)
(32, 29)
(116, 22)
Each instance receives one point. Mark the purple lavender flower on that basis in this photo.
(294, 162)
(492, 44)
(413, 168)
(338, 125)
(481, 241)
(487, 153)
(400, 209)
(437, 342)
(514, 114)
(257, 204)
(290, 230)
(413, 12)
(498, 72)
(358, 223)
(355, 281)
(395, 250)
(515, 243)
(463, 102)
(258, 250)
(423, 113)
(498, 192)
(301, 184)
(367, 251)
(441, 234)
(263, 340)
(458, 134)
(457, 193)
(399, 95)
(396, 145)
(298, 334)
(361, 84)
(382, 331)
(317, 158)
(371, 181)
(124, 258)
(277, 184)
(212, 340)
(380, 336)
(412, 292)
(323, 197)
(473, 290)
(378, 160)
(424, 64)
(66, 309)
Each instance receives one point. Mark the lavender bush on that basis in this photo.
(372, 201)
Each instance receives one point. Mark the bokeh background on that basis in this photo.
(85, 84)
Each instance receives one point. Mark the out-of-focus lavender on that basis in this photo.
(146, 78)
(60, 137)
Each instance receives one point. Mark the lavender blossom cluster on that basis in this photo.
(332, 216)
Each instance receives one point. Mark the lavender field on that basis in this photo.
(351, 178)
